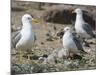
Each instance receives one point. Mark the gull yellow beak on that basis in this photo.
(35, 21)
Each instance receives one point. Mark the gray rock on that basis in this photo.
(51, 59)
(62, 14)
(26, 68)
(62, 54)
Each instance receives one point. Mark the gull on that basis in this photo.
(24, 39)
(82, 28)
(71, 43)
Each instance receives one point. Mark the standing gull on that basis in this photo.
(25, 39)
(71, 43)
(81, 27)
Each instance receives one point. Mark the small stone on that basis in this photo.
(91, 42)
(75, 56)
(76, 63)
(49, 39)
(45, 55)
(34, 57)
(86, 44)
(60, 34)
(47, 34)
(25, 56)
(62, 54)
(42, 43)
(50, 59)
(54, 27)
(67, 63)
(41, 59)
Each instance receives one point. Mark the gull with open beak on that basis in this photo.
(25, 39)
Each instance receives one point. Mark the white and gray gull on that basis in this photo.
(25, 39)
(82, 27)
(71, 43)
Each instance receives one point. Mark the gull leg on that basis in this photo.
(29, 51)
(29, 54)
(69, 55)
(20, 55)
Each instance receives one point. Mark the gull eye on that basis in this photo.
(28, 18)
(67, 29)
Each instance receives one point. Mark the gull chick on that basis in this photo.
(71, 43)
(25, 39)
(81, 27)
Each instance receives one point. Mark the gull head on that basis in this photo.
(77, 11)
(29, 18)
(67, 29)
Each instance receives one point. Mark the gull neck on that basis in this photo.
(68, 33)
(27, 25)
(79, 17)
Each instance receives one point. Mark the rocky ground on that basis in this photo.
(47, 39)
